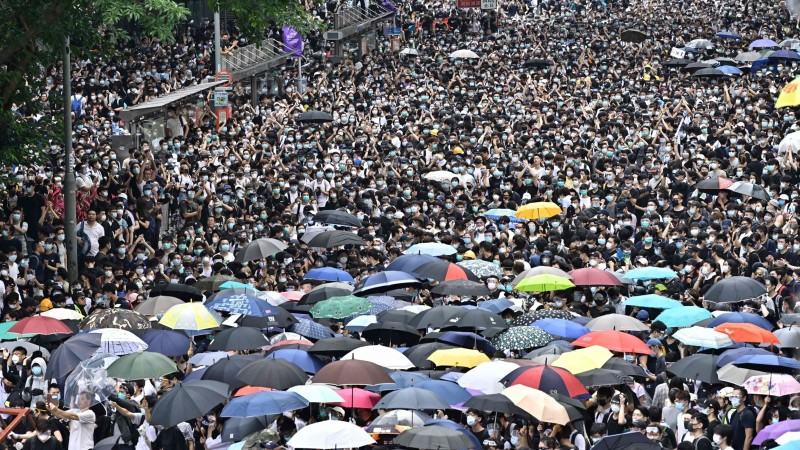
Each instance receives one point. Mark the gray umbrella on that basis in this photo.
(433, 437)
(237, 428)
(619, 322)
(461, 287)
(482, 269)
(412, 398)
(387, 423)
(735, 289)
(750, 190)
(789, 337)
(259, 249)
(188, 400)
(553, 348)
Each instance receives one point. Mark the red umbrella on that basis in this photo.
(247, 390)
(614, 340)
(40, 325)
(591, 276)
(548, 379)
(357, 398)
(742, 332)
(713, 184)
(289, 342)
(444, 271)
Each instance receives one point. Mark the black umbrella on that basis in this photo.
(335, 238)
(476, 319)
(624, 367)
(272, 373)
(314, 116)
(42, 339)
(124, 319)
(553, 348)
(444, 271)
(495, 403)
(326, 291)
(633, 440)
(66, 357)
(602, 377)
(461, 287)
(634, 36)
(259, 249)
(412, 398)
(213, 282)
(391, 333)
(336, 347)
(677, 62)
(709, 72)
(749, 189)
(237, 428)
(336, 217)
(435, 317)
(696, 66)
(790, 319)
(433, 437)
(280, 318)
(182, 291)
(188, 400)
(713, 185)
(239, 338)
(109, 443)
(418, 354)
(700, 366)
(396, 315)
(537, 63)
(532, 316)
(225, 370)
(735, 289)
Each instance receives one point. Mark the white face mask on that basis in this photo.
(471, 420)
(44, 437)
(717, 439)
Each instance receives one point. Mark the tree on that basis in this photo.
(33, 35)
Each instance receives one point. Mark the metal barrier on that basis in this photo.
(19, 415)
(252, 59)
(350, 16)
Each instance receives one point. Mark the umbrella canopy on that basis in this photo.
(461, 288)
(735, 289)
(677, 62)
(141, 365)
(626, 441)
(547, 379)
(737, 375)
(762, 43)
(790, 95)
(157, 305)
(264, 403)
(741, 317)
(613, 340)
(214, 282)
(328, 274)
(313, 116)
(62, 314)
(591, 276)
(91, 376)
(703, 337)
(182, 291)
(397, 421)
(188, 400)
(522, 338)
(562, 328)
(66, 357)
(337, 346)
(603, 377)
(700, 44)
(336, 217)
(457, 357)
(391, 333)
(701, 367)
(476, 319)
(444, 271)
(585, 359)
(775, 431)
(341, 307)
(684, 316)
(709, 72)
(468, 54)
(352, 372)
(240, 338)
(729, 356)
(554, 348)
(386, 357)
(730, 70)
(207, 358)
(481, 269)
(118, 342)
(330, 434)
(237, 429)
(485, 377)
(650, 273)
(272, 373)
(529, 318)
(436, 317)
(245, 304)
(311, 330)
(624, 367)
(335, 238)
(541, 270)
(790, 142)
(433, 437)
(747, 332)
(259, 249)
(359, 323)
(409, 263)
(544, 283)
(497, 306)
(166, 342)
(190, 316)
(768, 363)
(537, 404)
(317, 393)
(412, 398)
(749, 189)
(40, 325)
(356, 398)
(419, 354)
(713, 184)
(789, 337)
(123, 319)
(777, 385)
(728, 35)
(385, 281)
(652, 301)
(225, 370)
(326, 291)
(452, 393)
(635, 36)
(431, 249)
(538, 210)
(463, 339)
(619, 322)
(499, 213)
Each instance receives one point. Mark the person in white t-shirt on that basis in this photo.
(81, 422)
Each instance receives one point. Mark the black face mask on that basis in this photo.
(602, 401)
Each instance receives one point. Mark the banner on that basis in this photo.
(390, 6)
(292, 41)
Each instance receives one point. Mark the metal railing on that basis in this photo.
(349, 16)
(251, 55)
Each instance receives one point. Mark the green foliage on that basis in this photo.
(254, 16)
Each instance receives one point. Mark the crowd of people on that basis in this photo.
(557, 107)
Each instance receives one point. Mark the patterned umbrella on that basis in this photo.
(380, 303)
(312, 330)
(124, 319)
(522, 338)
(117, 342)
(548, 379)
(341, 307)
(482, 269)
(529, 317)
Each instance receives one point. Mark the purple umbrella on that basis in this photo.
(776, 430)
(763, 43)
(729, 356)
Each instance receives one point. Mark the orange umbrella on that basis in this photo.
(614, 340)
(747, 332)
(247, 390)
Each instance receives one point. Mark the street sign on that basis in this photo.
(489, 4)
(393, 31)
(224, 75)
(468, 3)
(220, 99)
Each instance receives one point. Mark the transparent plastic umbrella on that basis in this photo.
(91, 376)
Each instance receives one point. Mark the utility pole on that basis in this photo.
(217, 46)
(70, 207)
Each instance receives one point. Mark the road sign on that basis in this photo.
(468, 3)
(393, 31)
(224, 75)
(489, 4)
(220, 99)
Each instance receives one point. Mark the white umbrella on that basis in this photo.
(207, 358)
(287, 336)
(788, 437)
(700, 43)
(117, 342)
(330, 434)
(383, 356)
(416, 309)
(486, 376)
(440, 176)
(359, 323)
(791, 140)
(317, 393)
(62, 314)
(619, 322)
(737, 375)
(703, 337)
(271, 297)
(791, 43)
(537, 403)
(409, 51)
(464, 54)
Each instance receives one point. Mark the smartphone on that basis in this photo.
(52, 400)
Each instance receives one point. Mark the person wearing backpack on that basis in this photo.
(697, 432)
(78, 103)
(743, 420)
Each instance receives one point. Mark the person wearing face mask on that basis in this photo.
(474, 422)
(742, 421)
(42, 439)
(722, 437)
(697, 432)
(36, 385)
(15, 374)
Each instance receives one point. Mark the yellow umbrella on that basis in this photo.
(544, 283)
(583, 359)
(537, 403)
(538, 210)
(790, 94)
(190, 316)
(458, 357)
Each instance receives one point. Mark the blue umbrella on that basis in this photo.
(385, 281)
(653, 301)
(452, 393)
(302, 359)
(562, 328)
(466, 339)
(650, 273)
(359, 323)
(196, 374)
(207, 358)
(311, 330)
(496, 306)
(768, 360)
(454, 426)
(452, 376)
(166, 342)
(499, 213)
(244, 304)
(684, 316)
(401, 380)
(763, 43)
(784, 55)
(409, 263)
(583, 320)
(328, 274)
(741, 317)
(729, 356)
(729, 70)
(728, 35)
(431, 248)
(236, 284)
(263, 403)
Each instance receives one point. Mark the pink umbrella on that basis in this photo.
(778, 385)
(357, 398)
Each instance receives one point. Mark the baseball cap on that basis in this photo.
(653, 342)
(643, 315)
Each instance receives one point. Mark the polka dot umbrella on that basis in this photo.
(529, 317)
(522, 338)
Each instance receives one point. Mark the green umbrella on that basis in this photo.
(5, 335)
(341, 307)
(544, 283)
(522, 338)
(141, 365)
